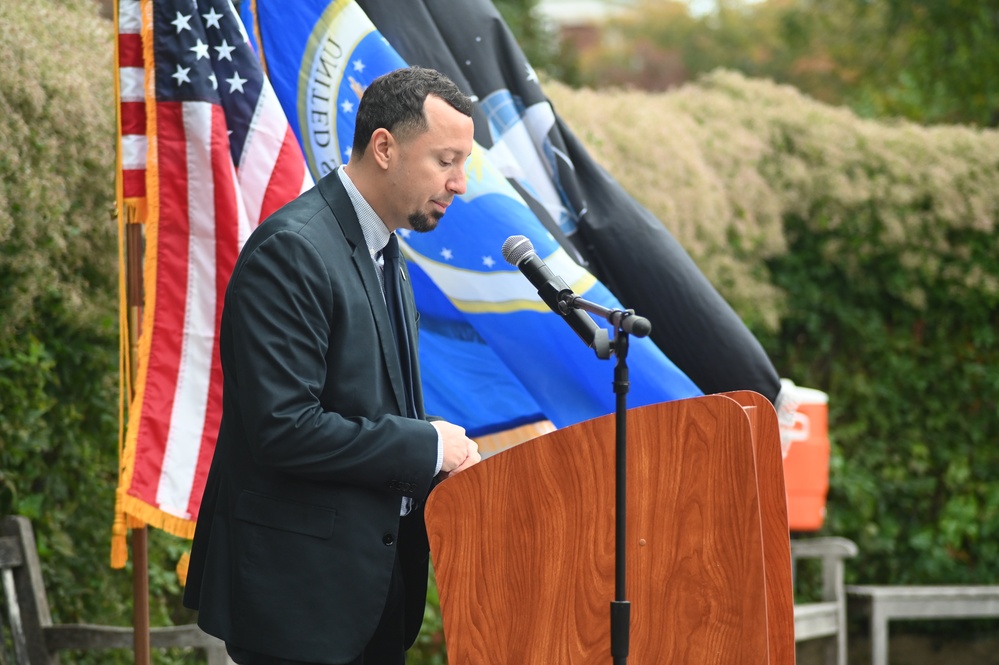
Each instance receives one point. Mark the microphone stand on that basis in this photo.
(624, 322)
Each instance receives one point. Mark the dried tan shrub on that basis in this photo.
(57, 155)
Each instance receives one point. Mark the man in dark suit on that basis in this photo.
(310, 545)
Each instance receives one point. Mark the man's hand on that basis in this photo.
(460, 452)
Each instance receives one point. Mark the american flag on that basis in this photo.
(218, 157)
(131, 112)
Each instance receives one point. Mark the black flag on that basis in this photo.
(587, 211)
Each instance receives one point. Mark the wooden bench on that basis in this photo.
(826, 618)
(32, 636)
(884, 603)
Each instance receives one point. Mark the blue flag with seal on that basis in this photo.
(604, 228)
(493, 356)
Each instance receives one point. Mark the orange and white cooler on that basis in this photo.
(806, 458)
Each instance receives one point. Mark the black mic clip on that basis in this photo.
(624, 321)
(600, 343)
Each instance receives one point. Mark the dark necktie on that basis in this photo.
(392, 273)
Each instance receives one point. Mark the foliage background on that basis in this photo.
(862, 253)
(926, 60)
(58, 312)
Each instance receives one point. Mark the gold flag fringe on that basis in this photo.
(119, 533)
(138, 513)
(185, 560)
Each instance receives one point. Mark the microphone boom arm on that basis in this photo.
(624, 319)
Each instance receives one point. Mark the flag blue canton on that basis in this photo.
(202, 53)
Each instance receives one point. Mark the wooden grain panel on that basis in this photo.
(773, 511)
(523, 544)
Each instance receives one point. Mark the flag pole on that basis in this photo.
(130, 247)
(140, 541)
(140, 595)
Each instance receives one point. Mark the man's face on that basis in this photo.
(430, 171)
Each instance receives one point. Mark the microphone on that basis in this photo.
(519, 251)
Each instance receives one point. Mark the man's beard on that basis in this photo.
(421, 222)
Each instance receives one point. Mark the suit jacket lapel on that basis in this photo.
(343, 211)
(412, 316)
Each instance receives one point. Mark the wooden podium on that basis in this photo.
(523, 543)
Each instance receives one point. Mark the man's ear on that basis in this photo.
(382, 146)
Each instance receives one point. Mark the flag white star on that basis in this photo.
(200, 50)
(447, 254)
(215, 81)
(182, 22)
(531, 74)
(488, 261)
(358, 65)
(235, 83)
(405, 233)
(346, 154)
(347, 106)
(225, 51)
(212, 19)
(181, 75)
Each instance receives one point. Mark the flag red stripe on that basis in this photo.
(129, 50)
(286, 178)
(133, 183)
(133, 118)
(171, 293)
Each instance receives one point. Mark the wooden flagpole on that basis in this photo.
(140, 543)
(130, 225)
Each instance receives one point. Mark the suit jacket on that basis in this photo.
(299, 526)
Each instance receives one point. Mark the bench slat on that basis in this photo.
(919, 593)
(826, 618)
(14, 616)
(37, 642)
(10, 552)
(815, 620)
(919, 602)
(817, 548)
(90, 636)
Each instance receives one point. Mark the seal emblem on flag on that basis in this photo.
(343, 55)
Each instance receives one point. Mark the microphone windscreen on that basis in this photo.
(516, 248)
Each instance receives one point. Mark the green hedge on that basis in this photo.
(58, 311)
(57, 305)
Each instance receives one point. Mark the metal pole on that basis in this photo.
(620, 606)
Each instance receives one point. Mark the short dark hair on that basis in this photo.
(394, 101)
